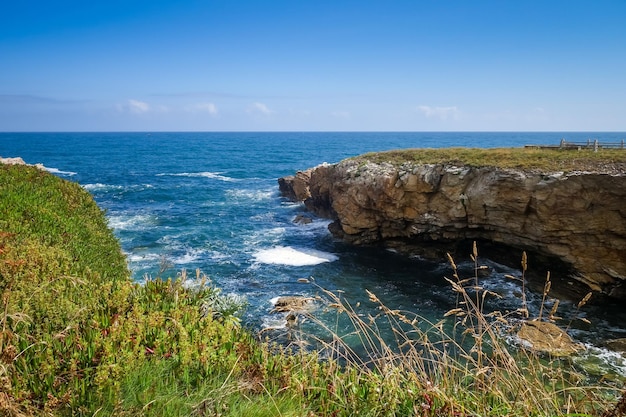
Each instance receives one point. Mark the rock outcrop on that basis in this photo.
(578, 218)
(18, 161)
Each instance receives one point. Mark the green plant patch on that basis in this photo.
(550, 160)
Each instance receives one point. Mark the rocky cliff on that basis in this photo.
(577, 218)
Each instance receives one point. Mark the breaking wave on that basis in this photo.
(286, 255)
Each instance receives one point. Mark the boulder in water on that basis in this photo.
(545, 337)
(292, 303)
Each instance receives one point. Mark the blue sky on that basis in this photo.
(421, 65)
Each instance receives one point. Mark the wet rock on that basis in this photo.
(618, 345)
(292, 304)
(545, 337)
(301, 219)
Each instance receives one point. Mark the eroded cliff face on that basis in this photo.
(578, 218)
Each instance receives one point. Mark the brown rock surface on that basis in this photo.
(541, 336)
(578, 217)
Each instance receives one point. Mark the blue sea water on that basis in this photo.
(211, 201)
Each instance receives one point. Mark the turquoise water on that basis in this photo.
(211, 201)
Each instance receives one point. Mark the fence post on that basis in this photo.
(622, 143)
(595, 145)
(562, 143)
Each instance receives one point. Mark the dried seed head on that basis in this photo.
(524, 261)
(553, 309)
(474, 250)
(546, 288)
(451, 261)
(454, 311)
(584, 300)
(372, 297)
(523, 311)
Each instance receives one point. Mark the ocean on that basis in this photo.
(210, 201)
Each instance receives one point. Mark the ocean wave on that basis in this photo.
(212, 175)
(101, 187)
(143, 257)
(286, 255)
(254, 195)
(58, 171)
(265, 236)
(273, 323)
(601, 361)
(188, 257)
(130, 222)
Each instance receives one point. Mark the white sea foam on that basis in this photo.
(265, 236)
(273, 322)
(125, 222)
(286, 255)
(188, 257)
(274, 300)
(601, 361)
(143, 257)
(101, 187)
(212, 175)
(58, 171)
(110, 187)
(254, 195)
(263, 217)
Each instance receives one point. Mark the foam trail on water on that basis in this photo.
(285, 255)
(212, 175)
(130, 222)
(58, 171)
(101, 187)
(254, 195)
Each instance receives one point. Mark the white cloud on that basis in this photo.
(260, 108)
(138, 107)
(141, 107)
(209, 108)
(442, 113)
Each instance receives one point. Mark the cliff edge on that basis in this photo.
(575, 217)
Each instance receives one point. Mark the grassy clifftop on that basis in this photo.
(44, 211)
(549, 160)
(78, 337)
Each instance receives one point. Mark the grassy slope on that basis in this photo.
(74, 327)
(522, 158)
(79, 338)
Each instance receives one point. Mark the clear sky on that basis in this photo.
(385, 65)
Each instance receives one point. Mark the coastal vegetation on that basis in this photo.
(79, 337)
(547, 160)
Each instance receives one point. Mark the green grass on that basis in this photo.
(520, 158)
(78, 337)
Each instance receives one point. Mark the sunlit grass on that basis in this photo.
(522, 158)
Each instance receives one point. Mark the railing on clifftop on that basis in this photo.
(594, 144)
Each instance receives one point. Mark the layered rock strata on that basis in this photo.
(578, 218)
